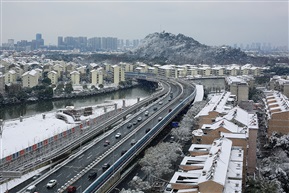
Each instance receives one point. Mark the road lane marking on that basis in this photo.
(59, 175)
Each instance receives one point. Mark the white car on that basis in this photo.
(118, 135)
(139, 119)
(51, 184)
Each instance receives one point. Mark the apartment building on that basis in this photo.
(277, 110)
(127, 66)
(59, 69)
(96, 76)
(30, 78)
(53, 76)
(10, 77)
(118, 74)
(166, 71)
(211, 168)
(75, 77)
(237, 86)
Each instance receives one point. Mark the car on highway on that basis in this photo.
(133, 141)
(159, 119)
(92, 175)
(160, 103)
(155, 108)
(51, 183)
(148, 130)
(129, 125)
(139, 119)
(134, 123)
(106, 143)
(71, 189)
(123, 152)
(105, 166)
(30, 189)
(36, 176)
(146, 113)
(118, 135)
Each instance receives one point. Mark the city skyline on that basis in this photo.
(209, 22)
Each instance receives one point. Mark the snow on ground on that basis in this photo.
(200, 93)
(19, 135)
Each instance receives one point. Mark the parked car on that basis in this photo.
(71, 189)
(129, 125)
(51, 183)
(106, 143)
(92, 175)
(105, 166)
(118, 135)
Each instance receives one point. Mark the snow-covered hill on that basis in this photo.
(180, 49)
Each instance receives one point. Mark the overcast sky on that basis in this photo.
(209, 22)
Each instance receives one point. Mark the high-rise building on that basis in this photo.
(38, 43)
(60, 41)
(38, 36)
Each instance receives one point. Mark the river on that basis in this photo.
(15, 111)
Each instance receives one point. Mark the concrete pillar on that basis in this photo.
(105, 109)
(123, 103)
(138, 99)
(115, 106)
(21, 118)
(43, 116)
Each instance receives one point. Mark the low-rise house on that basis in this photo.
(277, 111)
(219, 104)
(214, 168)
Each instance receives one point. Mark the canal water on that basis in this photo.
(15, 111)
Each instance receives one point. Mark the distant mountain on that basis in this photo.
(180, 49)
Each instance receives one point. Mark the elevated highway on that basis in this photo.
(75, 170)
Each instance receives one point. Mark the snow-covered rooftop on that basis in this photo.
(276, 101)
(217, 103)
(223, 165)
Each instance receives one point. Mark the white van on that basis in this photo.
(31, 189)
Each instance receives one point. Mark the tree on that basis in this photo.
(100, 85)
(46, 81)
(68, 88)
(84, 86)
(159, 160)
